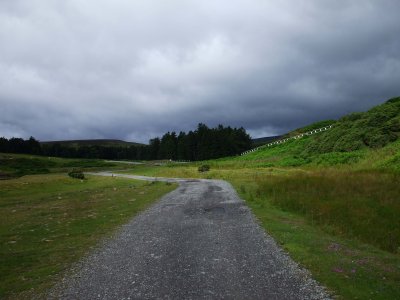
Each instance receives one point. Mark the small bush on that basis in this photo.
(76, 174)
(204, 168)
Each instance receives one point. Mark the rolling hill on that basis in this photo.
(94, 142)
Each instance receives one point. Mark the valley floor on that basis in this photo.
(340, 222)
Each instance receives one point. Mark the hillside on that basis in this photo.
(94, 142)
(372, 129)
(367, 138)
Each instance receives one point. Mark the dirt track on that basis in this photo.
(198, 242)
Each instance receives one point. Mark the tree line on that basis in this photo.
(200, 144)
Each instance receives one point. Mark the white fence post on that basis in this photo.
(288, 139)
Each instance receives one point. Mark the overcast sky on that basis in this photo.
(134, 69)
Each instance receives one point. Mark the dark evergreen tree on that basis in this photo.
(168, 146)
(154, 148)
(201, 144)
(181, 148)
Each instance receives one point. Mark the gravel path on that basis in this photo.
(198, 242)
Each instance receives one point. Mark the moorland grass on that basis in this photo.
(49, 221)
(359, 205)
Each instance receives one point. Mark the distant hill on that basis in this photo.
(95, 142)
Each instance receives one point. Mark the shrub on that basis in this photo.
(204, 168)
(76, 174)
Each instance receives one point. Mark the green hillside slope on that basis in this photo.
(368, 139)
(372, 129)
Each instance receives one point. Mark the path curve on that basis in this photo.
(200, 241)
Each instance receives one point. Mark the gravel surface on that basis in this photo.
(198, 242)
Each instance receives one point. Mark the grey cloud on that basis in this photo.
(136, 69)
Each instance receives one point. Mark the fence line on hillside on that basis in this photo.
(299, 136)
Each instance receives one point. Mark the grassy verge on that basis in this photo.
(360, 205)
(338, 229)
(341, 224)
(348, 268)
(49, 221)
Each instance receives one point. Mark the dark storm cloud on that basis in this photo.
(135, 69)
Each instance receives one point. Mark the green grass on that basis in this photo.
(359, 205)
(49, 221)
